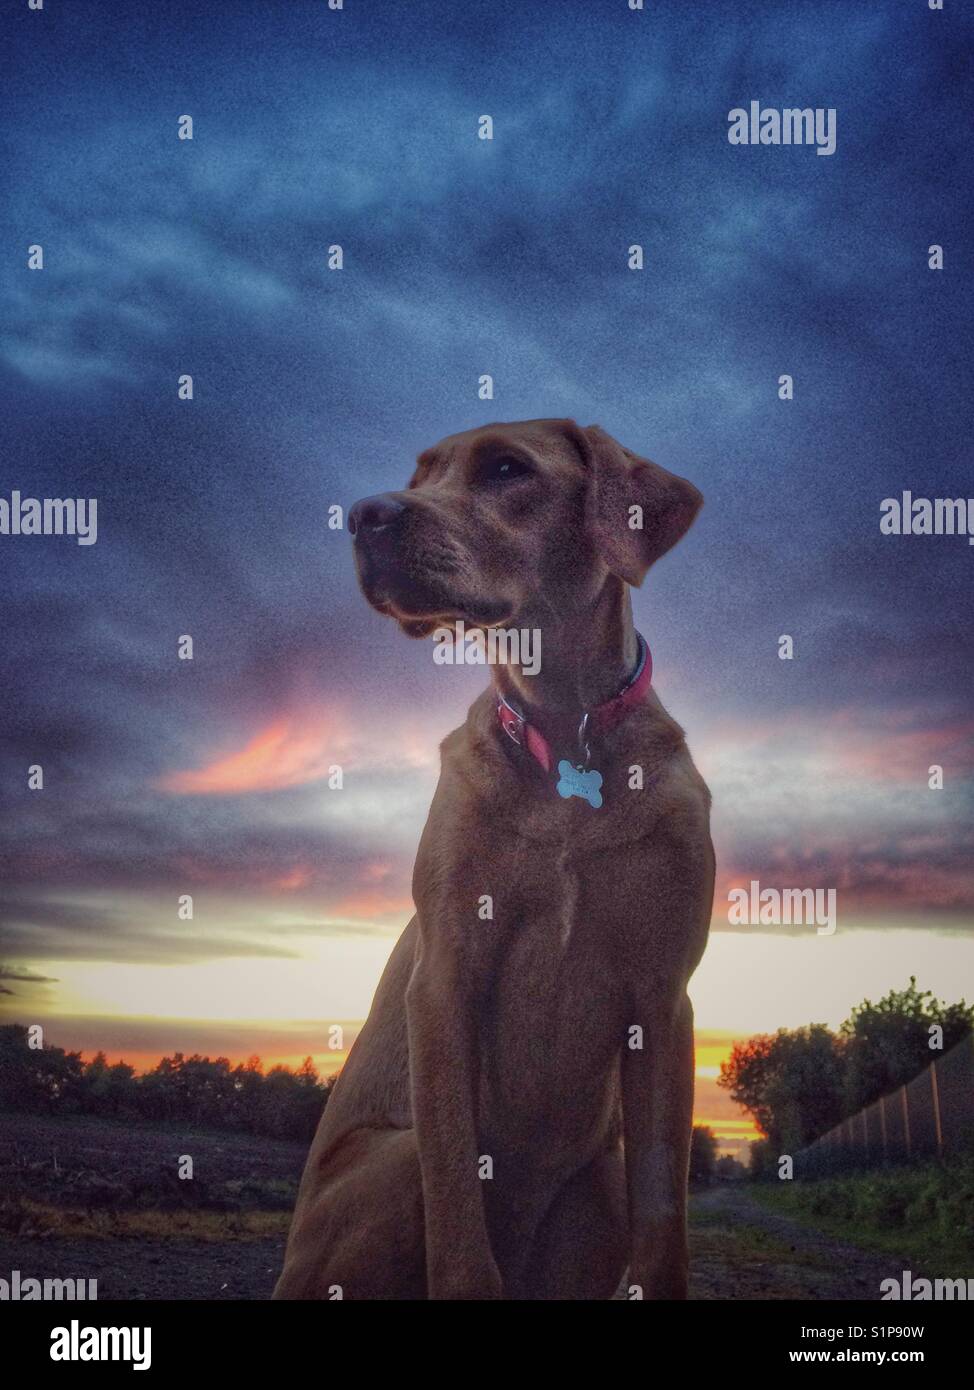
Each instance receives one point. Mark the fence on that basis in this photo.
(932, 1116)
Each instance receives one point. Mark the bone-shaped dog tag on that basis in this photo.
(575, 781)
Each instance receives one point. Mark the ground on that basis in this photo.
(740, 1250)
(82, 1200)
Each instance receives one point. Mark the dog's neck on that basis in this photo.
(587, 656)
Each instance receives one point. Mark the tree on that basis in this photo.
(37, 1080)
(887, 1044)
(108, 1090)
(798, 1084)
(703, 1154)
(762, 1163)
(247, 1083)
(790, 1082)
(729, 1169)
(179, 1090)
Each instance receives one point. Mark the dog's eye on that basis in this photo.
(503, 469)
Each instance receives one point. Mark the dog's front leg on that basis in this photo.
(657, 1100)
(445, 1079)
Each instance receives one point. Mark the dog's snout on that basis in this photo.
(375, 513)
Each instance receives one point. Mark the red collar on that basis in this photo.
(598, 720)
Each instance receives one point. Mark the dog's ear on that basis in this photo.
(635, 510)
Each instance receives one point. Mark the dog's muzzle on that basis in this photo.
(374, 516)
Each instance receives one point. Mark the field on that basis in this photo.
(91, 1199)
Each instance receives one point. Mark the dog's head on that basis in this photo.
(504, 522)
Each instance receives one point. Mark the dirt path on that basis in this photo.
(740, 1250)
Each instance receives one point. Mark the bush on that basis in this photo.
(932, 1199)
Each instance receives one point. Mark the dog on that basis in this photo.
(514, 1119)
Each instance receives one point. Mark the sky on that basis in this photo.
(313, 387)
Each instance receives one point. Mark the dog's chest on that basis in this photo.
(543, 916)
(567, 880)
(555, 997)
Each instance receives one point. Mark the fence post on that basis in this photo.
(906, 1120)
(936, 1107)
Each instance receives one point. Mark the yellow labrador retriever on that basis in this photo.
(514, 1119)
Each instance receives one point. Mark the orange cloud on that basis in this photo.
(290, 882)
(288, 753)
(250, 876)
(298, 748)
(373, 905)
(382, 895)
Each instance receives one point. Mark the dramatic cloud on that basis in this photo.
(279, 756)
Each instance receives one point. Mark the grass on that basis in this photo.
(925, 1213)
(28, 1218)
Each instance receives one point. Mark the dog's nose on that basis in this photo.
(374, 513)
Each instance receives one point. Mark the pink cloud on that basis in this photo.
(372, 905)
(289, 752)
(298, 748)
(891, 753)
